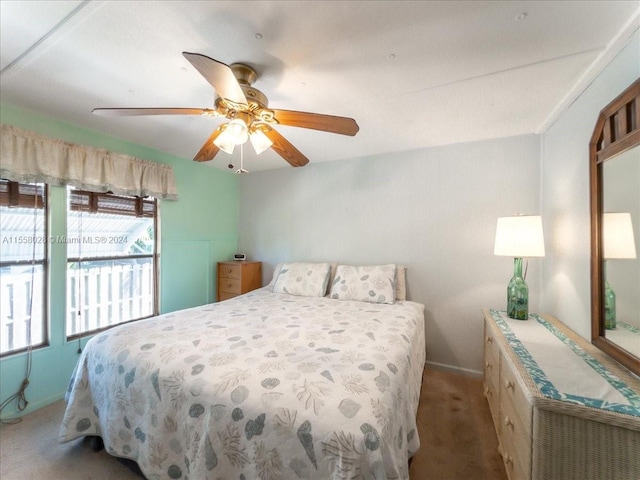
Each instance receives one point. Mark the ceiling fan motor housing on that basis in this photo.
(246, 76)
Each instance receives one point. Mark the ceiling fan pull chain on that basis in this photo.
(241, 169)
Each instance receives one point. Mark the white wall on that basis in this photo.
(565, 194)
(433, 210)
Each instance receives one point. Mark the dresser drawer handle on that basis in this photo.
(229, 285)
(508, 384)
(230, 270)
(508, 422)
(507, 458)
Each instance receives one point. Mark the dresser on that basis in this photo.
(562, 409)
(236, 278)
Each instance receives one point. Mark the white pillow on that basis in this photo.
(373, 284)
(276, 272)
(401, 284)
(303, 279)
(401, 280)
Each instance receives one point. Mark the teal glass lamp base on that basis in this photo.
(609, 307)
(517, 294)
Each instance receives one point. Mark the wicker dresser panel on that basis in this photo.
(550, 423)
(572, 447)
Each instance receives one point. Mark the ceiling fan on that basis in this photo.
(247, 110)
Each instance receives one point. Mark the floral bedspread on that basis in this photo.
(262, 386)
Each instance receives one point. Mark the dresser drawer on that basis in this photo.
(492, 394)
(491, 356)
(492, 383)
(515, 436)
(491, 372)
(231, 271)
(515, 422)
(512, 392)
(513, 467)
(490, 344)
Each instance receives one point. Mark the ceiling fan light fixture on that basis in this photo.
(224, 141)
(260, 141)
(237, 131)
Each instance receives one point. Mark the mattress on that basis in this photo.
(261, 386)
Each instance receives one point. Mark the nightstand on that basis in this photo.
(236, 278)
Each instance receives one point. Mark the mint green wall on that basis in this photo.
(196, 231)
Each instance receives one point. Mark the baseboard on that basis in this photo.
(459, 370)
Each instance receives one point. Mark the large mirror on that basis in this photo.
(615, 229)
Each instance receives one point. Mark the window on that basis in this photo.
(23, 266)
(111, 260)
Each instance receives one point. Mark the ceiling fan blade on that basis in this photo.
(285, 149)
(219, 75)
(316, 121)
(126, 112)
(209, 149)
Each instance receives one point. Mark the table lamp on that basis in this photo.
(619, 243)
(519, 236)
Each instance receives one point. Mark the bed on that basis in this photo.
(308, 377)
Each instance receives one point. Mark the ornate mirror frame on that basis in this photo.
(617, 130)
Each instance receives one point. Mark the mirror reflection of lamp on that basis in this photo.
(618, 243)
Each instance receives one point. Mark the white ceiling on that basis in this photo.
(412, 73)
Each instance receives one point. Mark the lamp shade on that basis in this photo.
(617, 234)
(519, 236)
(235, 133)
(260, 141)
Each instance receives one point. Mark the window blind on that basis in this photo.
(16, 194)
(94, 202)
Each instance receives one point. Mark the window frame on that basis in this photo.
(12, 197)
(98, 202)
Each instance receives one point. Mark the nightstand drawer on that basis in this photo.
(230, 285)
(231, 271)
(226, 296)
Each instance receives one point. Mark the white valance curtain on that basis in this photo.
(28, 157)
